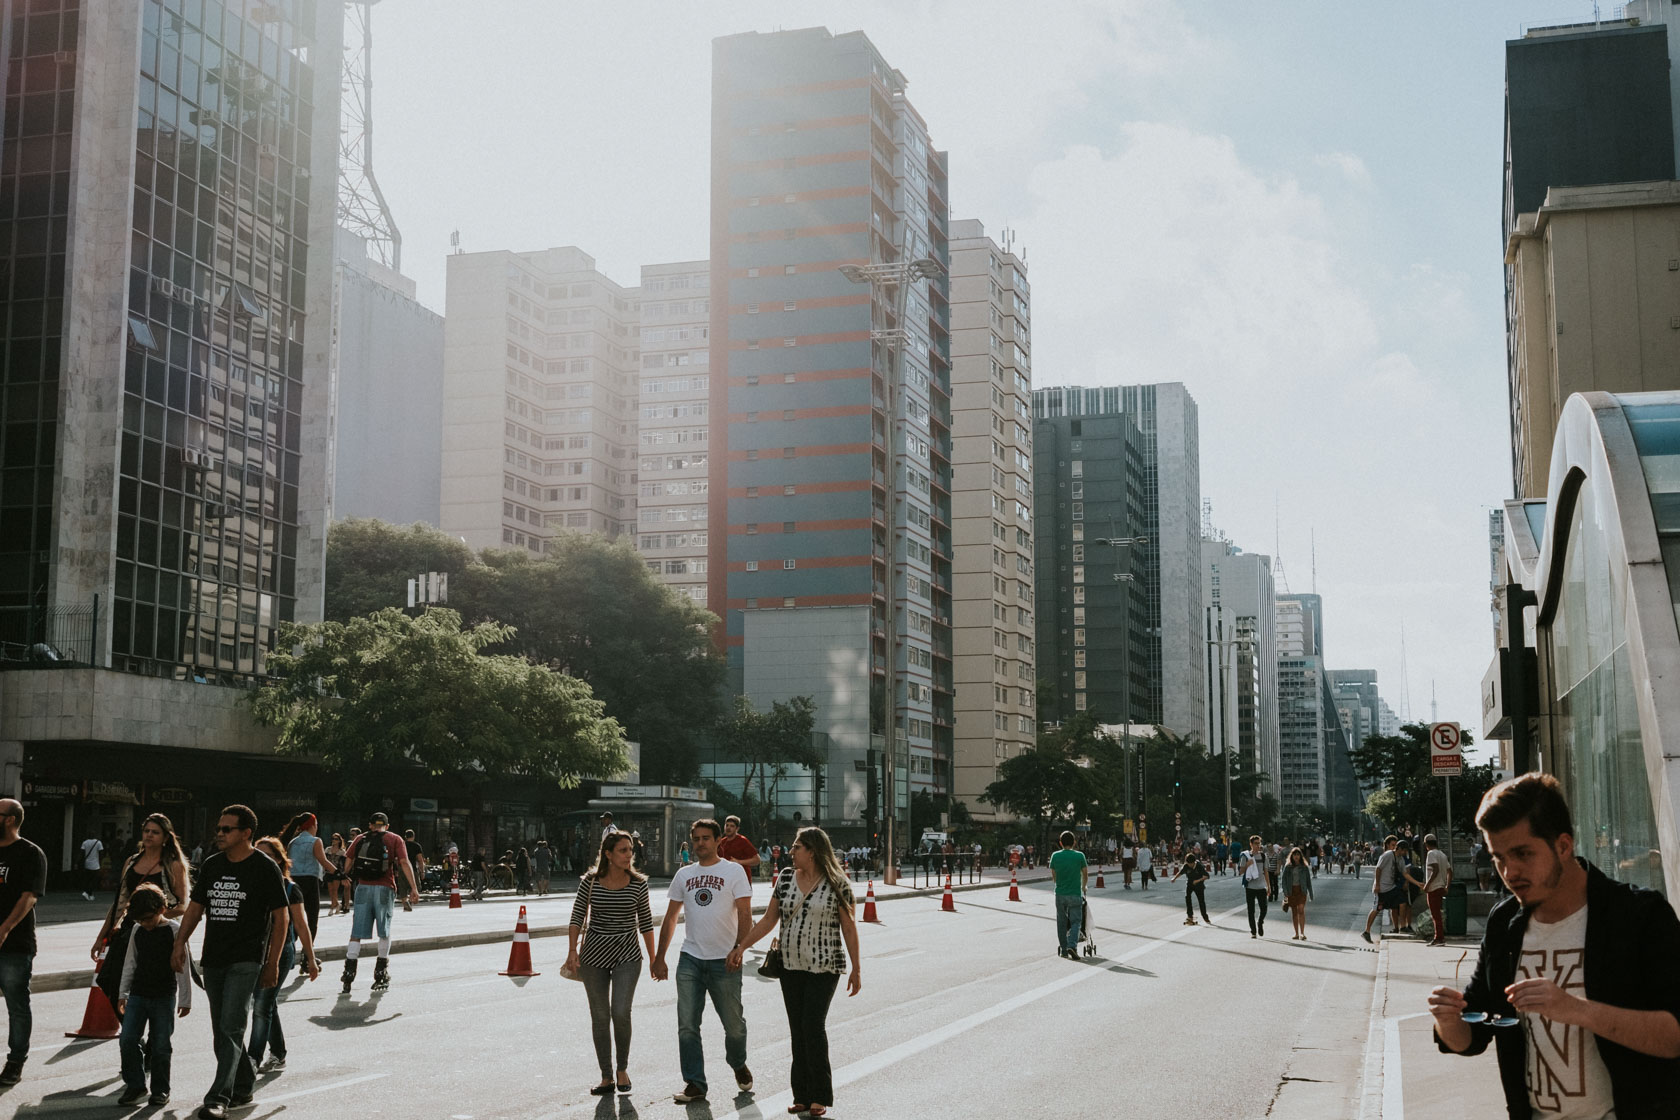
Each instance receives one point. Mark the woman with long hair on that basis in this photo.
(522, 870)
(336, 885)
(813, 902)
(610, 909)
(302, 842)
(159, 860)
(265, 1005)
(1295, 885)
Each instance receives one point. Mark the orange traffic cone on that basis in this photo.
(948, 903)
(98, 1020)
(1014, 887)
(519, 956)
(455, 894)
(869, 904)
(1099, 877)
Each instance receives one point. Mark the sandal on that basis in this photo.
(796, 1109)
(818, 1110)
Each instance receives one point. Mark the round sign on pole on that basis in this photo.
(1446, 751)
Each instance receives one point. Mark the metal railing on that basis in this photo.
(48, 637)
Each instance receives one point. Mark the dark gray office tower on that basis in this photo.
(1095, 648)
(166, 212)
(1168, 563)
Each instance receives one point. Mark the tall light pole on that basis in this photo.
(896, 276)
(1124, 579)
(1240, 642)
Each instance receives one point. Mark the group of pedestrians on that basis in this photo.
(811, 902)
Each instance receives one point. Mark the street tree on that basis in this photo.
(1073, 774)
(369, 563)
(1406, 793)
(767, 745)
(386, 691)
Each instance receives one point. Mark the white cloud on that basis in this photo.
(1350, 166)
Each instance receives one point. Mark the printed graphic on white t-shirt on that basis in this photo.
(708, 894)
(1566, 1075)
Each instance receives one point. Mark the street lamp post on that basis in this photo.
(1224, 723)
(1124, 578)
(880, 277)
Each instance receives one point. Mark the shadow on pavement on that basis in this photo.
(73, 1099)
(72, 1049)
(347, 1014)
(620, 1107)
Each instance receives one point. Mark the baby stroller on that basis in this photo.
(1089, 948)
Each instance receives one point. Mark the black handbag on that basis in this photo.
(771, 965)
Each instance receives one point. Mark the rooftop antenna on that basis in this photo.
(1312, 538)
(1207, 519)
(1282, 577)
(361, 204)
(455, 242)
(1434, 711)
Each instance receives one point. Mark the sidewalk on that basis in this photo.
(67, 923)
(1415, 1077)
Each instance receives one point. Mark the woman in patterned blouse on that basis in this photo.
(813, 902)
(610, 909)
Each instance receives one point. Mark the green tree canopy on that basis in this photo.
(386, 689)
(766, 744)
(588, 608)
(1406, 793)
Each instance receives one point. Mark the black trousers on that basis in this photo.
(806, 995)
(310, 887)
(1256, 898)
(1199, 892)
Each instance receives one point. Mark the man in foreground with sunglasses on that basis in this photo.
(1567, 930)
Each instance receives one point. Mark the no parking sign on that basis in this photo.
(1446, 751)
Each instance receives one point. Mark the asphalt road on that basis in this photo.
(961, 1015)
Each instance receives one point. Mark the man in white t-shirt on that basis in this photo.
(1145, 866)
(92, 849)
(715, 898)
(1436, 878)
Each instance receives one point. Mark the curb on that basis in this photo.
(83, 978)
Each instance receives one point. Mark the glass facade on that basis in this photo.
(1597, 745)
(1656, 436)
(206, 541)
(34, 218)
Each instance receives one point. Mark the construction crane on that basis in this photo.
(361, 204)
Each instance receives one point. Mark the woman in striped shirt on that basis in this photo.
(610, 909)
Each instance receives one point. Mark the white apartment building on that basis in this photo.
(991, 510)
(673, 425)
(541, 360)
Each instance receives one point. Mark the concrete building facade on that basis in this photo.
(1303, 773)
(1170, 558)
(541, 363)
(1240, 607)
(169, 190)
(819, 160)
(387, 374)
(993, 597)
(673, 425)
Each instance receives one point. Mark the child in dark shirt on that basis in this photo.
(151, 993)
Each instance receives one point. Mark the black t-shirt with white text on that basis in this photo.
(239, 900)
(23, 869)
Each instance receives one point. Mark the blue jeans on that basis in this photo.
(1070, 909)
(158, 1012)
(696, 980)
(372, 910)
(228, 989)
(15, 970)
(265, 1017)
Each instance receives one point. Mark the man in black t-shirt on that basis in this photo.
(241, 899)
(23, 879)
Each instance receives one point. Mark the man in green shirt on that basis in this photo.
(1071, 871)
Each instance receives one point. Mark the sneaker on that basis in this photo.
(132, 1096)
(276, 1063)
(1189, 921)
(241, 1100)
(12, 1072)
(87, 896)
(1366, 934)
(213, 1110)
(158, 1100)
(690, 1092)
(743, 1076)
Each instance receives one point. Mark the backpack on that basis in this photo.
(371, 862)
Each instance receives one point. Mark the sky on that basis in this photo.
(1292, 208)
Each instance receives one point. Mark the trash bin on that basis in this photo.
(1457, 909)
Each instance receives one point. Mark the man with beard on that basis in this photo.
(1566, 929)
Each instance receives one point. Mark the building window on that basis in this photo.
(788, 489)
(787, 565)
(752, 565)
(752, 528)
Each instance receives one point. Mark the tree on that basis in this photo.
(587, 607)
(1072, 774)
(1406, 792)
(593, 610)
(387, 690)
(370, 562)
(766, 744)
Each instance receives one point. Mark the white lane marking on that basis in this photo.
(265, 1099)
(910, 1048)
(1371, 1094)
(1394, 1092)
